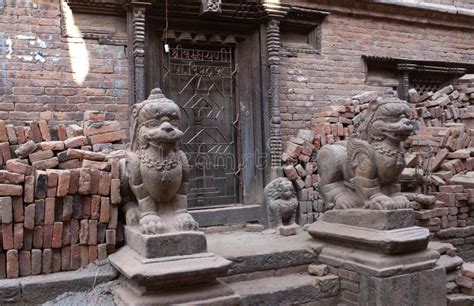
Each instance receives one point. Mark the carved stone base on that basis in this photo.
(207, 294)
(153, 278)
(172, 244)
(391, 267)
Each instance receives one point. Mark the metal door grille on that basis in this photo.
(201, 82)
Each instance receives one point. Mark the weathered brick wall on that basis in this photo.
(46, 75)
(310, 81)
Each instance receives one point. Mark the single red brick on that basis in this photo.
(11, 190)
(35, 131)
(3, 266)
(102, 251)
(103, 166)
(18, 214)
(61, 128)
(39, 212)
(113, 217)
(36, 261)
(57, 234)
(38, 237)
(52, 183)
(76, 142)
(7, 233)
(18, 236)
(43, 125)
(40, 155)
(29, 192)
(110, 237)
(86, 207)
(63, 183)
(74, 181)
(75, 231)
(27, 239)
(84, 181)
(67, 208)
(83, 154)
(5, 151)
(92, 238)
(56, 266)
(16, 166)
(7, 177)
(114, 168)
(95, 178)
(6, 209)
(96, 128)
(51, 145)
(47, 236)
(13, 270)
(49, 210)
(20, 134)
(95, 207)
(84, 255)
(84, 232)
(66, 237)
(108, 137)
(104, 183)
(24, 258)
(75, 256)
(104, 210)
(46, 164)
(66, 258)
(3, 131)
(47, 263)
(92, 253)
(11, 134)
(70, 164)
(30, 216)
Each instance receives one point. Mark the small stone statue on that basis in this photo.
(155, 173)
(364, 171)
(281, 202)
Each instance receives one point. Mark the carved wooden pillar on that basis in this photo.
(273, 49)
(136, 45)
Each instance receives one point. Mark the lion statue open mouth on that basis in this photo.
(155, 173)
(363, 172)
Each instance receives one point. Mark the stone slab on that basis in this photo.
(389, 242)
(39, 289)
(215, 293)
(375, 219)
(234, 214)
(418, 288)
(168, 271)
(171, 244)
(252, 252)
(373, 263)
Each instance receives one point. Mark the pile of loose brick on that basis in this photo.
(465, 279)
(439, 154)
(59, 191)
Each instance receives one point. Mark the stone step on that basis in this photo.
(289, 290)
(263, 252)
(459, 299)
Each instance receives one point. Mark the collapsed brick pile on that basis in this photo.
(58, 195)
(440, 154)
(465, 279)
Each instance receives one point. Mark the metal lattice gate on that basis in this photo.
(201, 81)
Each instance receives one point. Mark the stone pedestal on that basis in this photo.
(381, 257)
(172, 268)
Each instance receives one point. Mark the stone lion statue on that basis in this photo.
(155, 173)
(364, 171)
(281, 202)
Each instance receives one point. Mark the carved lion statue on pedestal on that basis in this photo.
(281, 202)
(364, 171)
(155, 173)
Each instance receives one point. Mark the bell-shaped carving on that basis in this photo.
(216, 39)
(200, 38)
(185, 36)
(230, 40)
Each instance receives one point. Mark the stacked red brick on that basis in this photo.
(465, 279)
(57, 197)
